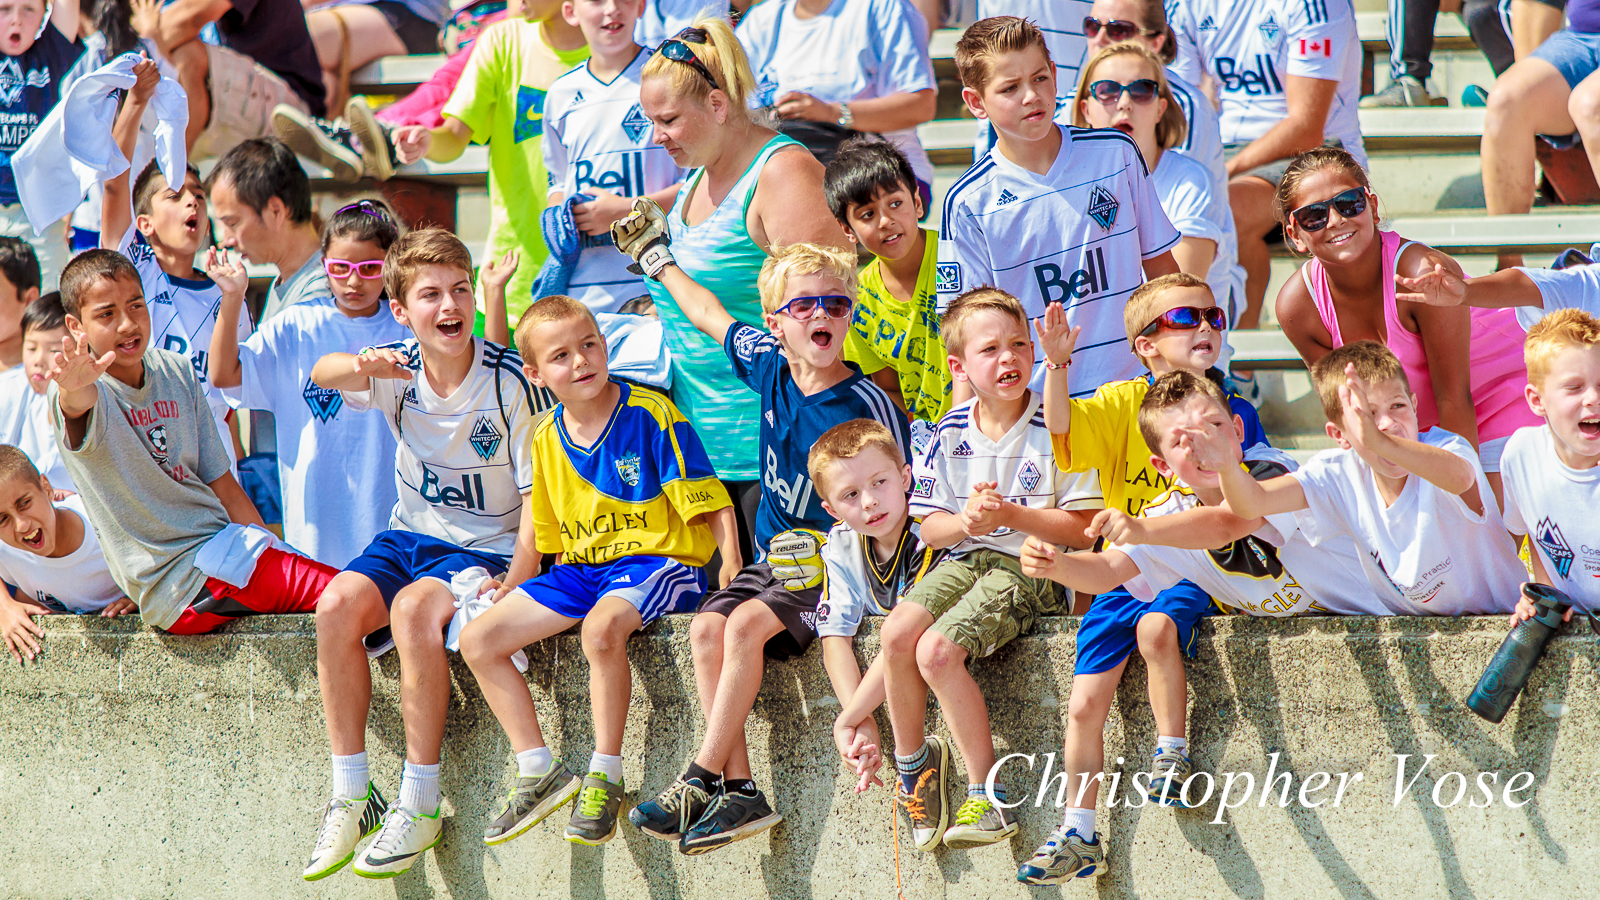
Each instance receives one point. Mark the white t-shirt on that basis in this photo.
(1193, 207)
(1445, 559)
(1250, 47)
(1021, 462)
(853, 50)
(597, 136)
(463, 461)
(1061, 21)
(325, 451)
(183, 312)
(1077, 234)
(1203, 141)
(1577, 287)
(1556, 504)
(857, 585)
(1274, 572)
(25, 424)
(664, 18)
(79, 582)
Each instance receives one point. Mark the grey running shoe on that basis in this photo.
(1169, 769)
(1063, 858)
(530, 802)
(731, 817)
(594, 816)
(927, 805)
(344, 824)
(377, 150)
(978, 824)
(1403, 91)
(672, 813)
(326, 142)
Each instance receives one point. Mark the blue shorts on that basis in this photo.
(395, 559)
(1108, 631)
(1575, 55)
(655, 585)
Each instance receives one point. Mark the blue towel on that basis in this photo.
(566, 245)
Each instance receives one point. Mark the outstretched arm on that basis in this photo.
(1091, 573)
(1056, 341)
(354, 372)
(1443, 287)
(116, 205)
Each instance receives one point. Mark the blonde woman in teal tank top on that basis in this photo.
(751, 189)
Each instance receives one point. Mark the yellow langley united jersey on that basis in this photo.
(640, 490)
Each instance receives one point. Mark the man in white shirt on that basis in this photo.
(262, 199)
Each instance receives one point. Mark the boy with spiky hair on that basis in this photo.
(24, 408)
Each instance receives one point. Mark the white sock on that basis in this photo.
(535, 763)
(350, 775)
(1081, 819)
(1173, 743)
(609, 766)
(419, 788)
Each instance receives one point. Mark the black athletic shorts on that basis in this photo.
(797, 610)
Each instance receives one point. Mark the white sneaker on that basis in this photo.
(405, 835)
(344, 823)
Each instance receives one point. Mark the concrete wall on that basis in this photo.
(134, 764)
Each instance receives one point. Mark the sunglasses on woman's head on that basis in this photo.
(1314, 216)
(834, 306)
(367, 206)
(1140, 90)
(1187, 318)
(677, 50)
(1116, 29)
(341, 268)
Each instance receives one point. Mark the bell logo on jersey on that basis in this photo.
(1089, 280)
(324, 402)
(485, 438)
(947, 277)
(468, 496)
(1555, 546)
(1258, 82)
(629, 182)
(796, 495)
(628, 469)
(635, 124)
(1103, 207)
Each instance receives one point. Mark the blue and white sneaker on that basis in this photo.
(1063, 857)
(1169, 769)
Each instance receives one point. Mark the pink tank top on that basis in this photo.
(1497, 370)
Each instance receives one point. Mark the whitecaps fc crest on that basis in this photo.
(628, 469)
(1029, 476)
(485, 438)
(1103, 207)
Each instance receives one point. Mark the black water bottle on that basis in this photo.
(1514, 661)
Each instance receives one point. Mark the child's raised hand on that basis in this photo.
(1359, 426)
(1056, 338)
(76, 366)
(1038, 558)
(411, 142)
(1117, 527)
(145, 78)
(496, 274)
(1441, 287)
(596, 216)
(146, 19)
(1213, 449)
(229, 273)
(381, 362)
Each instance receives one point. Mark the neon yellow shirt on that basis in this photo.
(891, 333)
(501, 98)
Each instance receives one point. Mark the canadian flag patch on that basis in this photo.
(1319, 47)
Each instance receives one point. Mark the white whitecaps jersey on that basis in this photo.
(1021, 462)
(664, 18)
(1077, 235)
(857, 585)
(1251, 47)
(464, 460)
(1554, 504)
(597, 136)
(1274, 572)
(183, 313)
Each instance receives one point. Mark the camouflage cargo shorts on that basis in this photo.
(981, 600)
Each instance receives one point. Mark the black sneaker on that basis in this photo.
(377, 151)
(669, 815)
(318, 139)
(731, 817)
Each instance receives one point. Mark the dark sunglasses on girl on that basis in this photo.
(1141, 91)
(1187, 318)
(677, 50)
(1314, 216)
(834, 306)
(1116, 29)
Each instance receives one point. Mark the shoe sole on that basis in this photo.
(398, 872)
(944, 799)
(332, 869)
(367, 129)
(748, 829)
(580, 839)
(1092, 870)
(539, 813)
(968, 840)
(296, 129)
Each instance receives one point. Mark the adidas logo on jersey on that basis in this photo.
(635, 124)
(1028, 476)
(577, 98)
(408, 397)
(324, 403)
(810, 618)
(963, 450)
(1005, 198)
(1208, 24)
(1103, 207)
(485, 438)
